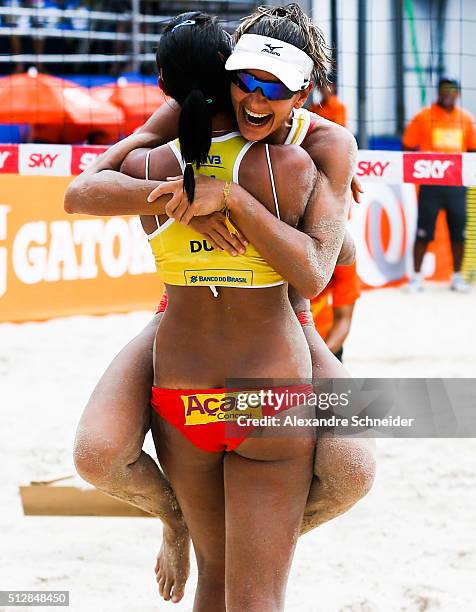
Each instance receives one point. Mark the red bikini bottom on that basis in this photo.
(215, 420)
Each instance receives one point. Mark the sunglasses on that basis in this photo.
(273, 90)
(449, 89)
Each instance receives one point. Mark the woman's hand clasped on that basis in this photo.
(214, 229)
(204, 214)
(208, 197)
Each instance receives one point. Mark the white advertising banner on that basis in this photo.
(383, 227)
(380, 167)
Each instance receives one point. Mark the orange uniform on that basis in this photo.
(343, 289)
(441, 131)
(333, 110)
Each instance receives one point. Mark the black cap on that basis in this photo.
(449, 81)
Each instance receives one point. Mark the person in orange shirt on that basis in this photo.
(330, 107)
(444, 128)
(333, 308)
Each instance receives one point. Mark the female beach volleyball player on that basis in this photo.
(222, 476)
(119, 405)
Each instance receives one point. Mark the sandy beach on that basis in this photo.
(410, 545)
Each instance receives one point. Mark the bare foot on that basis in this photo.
(173, 563)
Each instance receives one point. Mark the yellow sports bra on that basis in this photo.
(183, 257)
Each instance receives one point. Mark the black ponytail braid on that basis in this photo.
(191, 58)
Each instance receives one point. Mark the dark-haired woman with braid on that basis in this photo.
(289, 252)
(223, 476)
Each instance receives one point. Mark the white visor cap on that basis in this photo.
(286, 62)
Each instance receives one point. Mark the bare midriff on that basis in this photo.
(244, 333)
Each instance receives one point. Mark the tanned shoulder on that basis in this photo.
(134, 163)
(294, 175)
(162, 163)
(334, 151)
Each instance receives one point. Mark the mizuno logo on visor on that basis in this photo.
(271, 49)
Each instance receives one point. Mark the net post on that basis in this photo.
(399, 66)
(334, 41)
(135, 35)
(362, 135)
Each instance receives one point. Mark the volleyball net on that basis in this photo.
(389, 56)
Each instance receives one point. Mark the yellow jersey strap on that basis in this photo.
(301, 121)
(173, 144)
(239, 158)
(271, 176)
